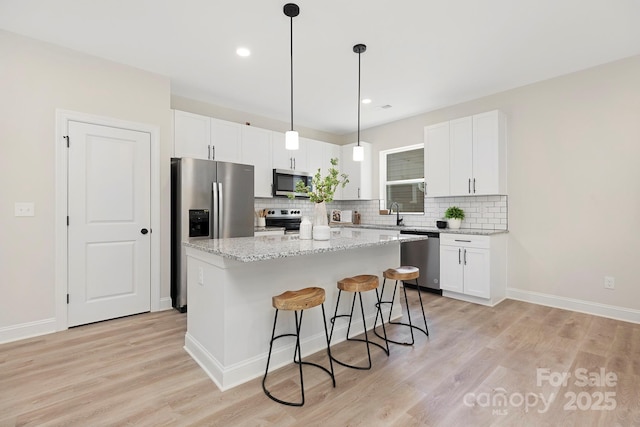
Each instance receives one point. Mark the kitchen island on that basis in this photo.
(230, 283)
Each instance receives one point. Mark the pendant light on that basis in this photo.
(291, 141)
(358, 150)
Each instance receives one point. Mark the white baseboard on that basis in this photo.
(27, 330)
(581, 306)
(227, 377)
(165, 304)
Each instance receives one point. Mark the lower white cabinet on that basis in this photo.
(473, 267)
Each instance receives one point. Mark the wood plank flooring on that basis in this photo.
(479, 367)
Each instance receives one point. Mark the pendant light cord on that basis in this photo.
(359, 54)
(292, 73)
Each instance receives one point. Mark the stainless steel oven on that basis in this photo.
(290, 219)
(284, 182)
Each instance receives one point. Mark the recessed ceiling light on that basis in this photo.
(243, 52)
(366, 101)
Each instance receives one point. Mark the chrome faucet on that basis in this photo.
(398, 219)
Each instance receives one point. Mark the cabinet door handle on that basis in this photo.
(458, 240)
(213, 152)
(469, 186)
(465, 257)
(209, 151)
(294, 163)
(474, 186)
(290, 162)
(459, 261)
(358, 192)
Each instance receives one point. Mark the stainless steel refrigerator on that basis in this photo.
(209, 200)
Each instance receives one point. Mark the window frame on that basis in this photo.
(382, 173)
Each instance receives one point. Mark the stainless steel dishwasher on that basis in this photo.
(424, 254)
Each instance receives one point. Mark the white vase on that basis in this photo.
(321, 230)
(454, 222)
(320, 214)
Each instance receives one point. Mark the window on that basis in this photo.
(402, 178)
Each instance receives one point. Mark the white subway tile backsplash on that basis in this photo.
(481, 212)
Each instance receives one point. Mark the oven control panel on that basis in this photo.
(284, 213)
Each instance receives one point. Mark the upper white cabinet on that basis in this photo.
(436, 160)
(360, 173)
(203, 137)
(192, 135)
(333, 151)
(288, 159)
(256, 151)
(315, 156)
(471, 160)
(225, 141)
(489, 153)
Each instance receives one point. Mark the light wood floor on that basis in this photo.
(134, 371)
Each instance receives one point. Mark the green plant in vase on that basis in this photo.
(322, 190)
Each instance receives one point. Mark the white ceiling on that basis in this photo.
(421, 55)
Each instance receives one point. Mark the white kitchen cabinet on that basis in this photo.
(467, 156)
(315, 156)
(478, 155)
(192, 135)
(360, 173)
(333, 151)
(288, 159)
(203, 137)
(436, 160)
(256, 151)
(225, 141)
(473, 267)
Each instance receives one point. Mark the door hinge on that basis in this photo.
(67, 138)
(67, 298)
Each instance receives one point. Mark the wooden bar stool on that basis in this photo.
(404, 273)
(357, 285)
(295, 301)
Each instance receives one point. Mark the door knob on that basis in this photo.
(144, 231)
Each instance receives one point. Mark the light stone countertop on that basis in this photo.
(261, 248)
(472, 231)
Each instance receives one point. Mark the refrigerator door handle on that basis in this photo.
(220, 209)
(215, 209)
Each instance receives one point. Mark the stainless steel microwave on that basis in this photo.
(284, 182)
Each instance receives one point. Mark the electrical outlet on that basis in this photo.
(24, 209)
(609, 282)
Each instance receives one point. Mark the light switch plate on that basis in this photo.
(24, 209)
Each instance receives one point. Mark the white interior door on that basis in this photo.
(109, 210)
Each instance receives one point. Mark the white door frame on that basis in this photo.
(61, 202)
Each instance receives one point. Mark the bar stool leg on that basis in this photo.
(297, 352)
(364, 323)
(426, 328)
(410, 324)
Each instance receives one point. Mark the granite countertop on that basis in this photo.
(259, 228)
(261, 248)
(473, 231)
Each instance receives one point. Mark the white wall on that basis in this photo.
(35, 79)
(573, 180)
